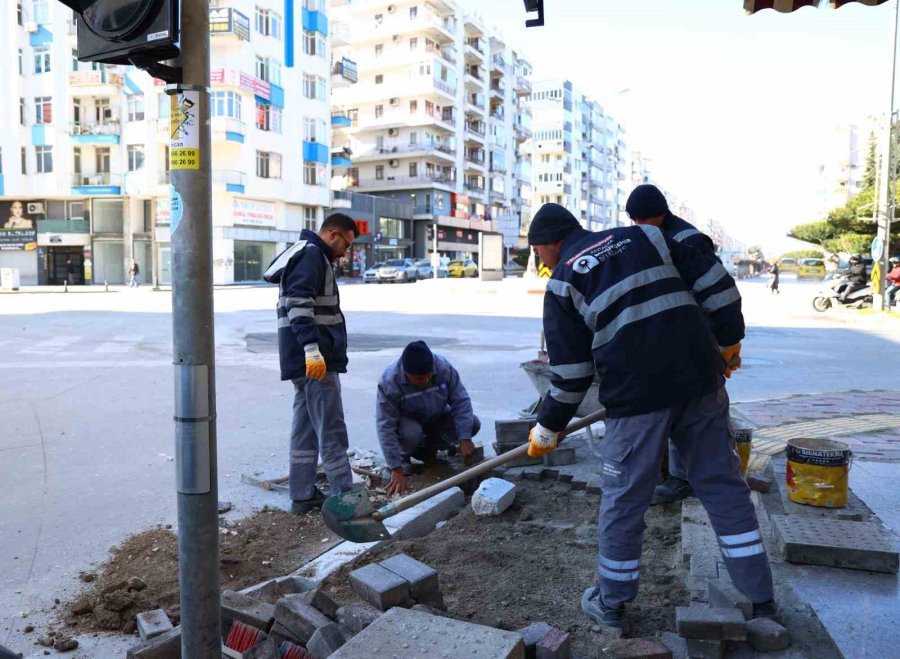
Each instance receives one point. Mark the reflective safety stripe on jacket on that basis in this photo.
(633, 303)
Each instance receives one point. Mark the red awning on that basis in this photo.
(787, 6)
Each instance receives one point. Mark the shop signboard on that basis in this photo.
(18, 228)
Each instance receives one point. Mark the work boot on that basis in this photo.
(303, 506)
(767, 610)
(594, 608)
(670, 490)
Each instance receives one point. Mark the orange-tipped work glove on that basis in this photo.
(315, 362)
(732, 357)
(541, 441)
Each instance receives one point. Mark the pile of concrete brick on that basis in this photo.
(513, 433)
(401, 581)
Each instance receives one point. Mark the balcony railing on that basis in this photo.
(409, 148)
(421, 179)
(476, 128)
(474, 187)
(64, 226)
(498, 61)
(229, 125)
(94, 78)
(110, 127)
(99, 178)
(475, 157)
(228, 177)
(475, 44)
(345, 68)
(523, 85)
(444, 86)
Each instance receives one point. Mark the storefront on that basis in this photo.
(18, 239)
(251, 260)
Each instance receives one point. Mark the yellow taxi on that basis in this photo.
(811, 269)
(787, 265)
(462, 269)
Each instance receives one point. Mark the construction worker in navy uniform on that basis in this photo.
(422, 407)
(312, 347)
(647, 205)
(632, 305)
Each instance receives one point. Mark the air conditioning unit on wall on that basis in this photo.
(35, 208)
(394, 163)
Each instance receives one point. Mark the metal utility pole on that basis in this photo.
(435, 258)
(193, 340)
(888, 178)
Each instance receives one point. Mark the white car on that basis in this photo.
(370, 276)
(398, 270)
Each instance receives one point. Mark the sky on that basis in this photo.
(732, 109)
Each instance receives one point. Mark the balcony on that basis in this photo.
(498, 168)
(474, 188)
(344, 73)
(101, 183)
(232, 180)
(233, 130)
(522, 132)
(475, 102)
(105, 82)
(475, 157)
(475, 77)
(341, 120)
(340, 34)
(406, 150)
(63, 226)
(475, 128)
(449, 55)
(523, 86)
(475, 49)
(445, 87)
(102, 132)
(498, 88)
(341, 158)
(404, 181)
(341, 199)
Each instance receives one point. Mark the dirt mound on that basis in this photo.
(534, 561)
(142, 573)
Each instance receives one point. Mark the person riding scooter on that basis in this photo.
(893, 282)
(855, 278)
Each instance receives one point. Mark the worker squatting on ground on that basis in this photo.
(647, 205)
(629, 302)
(312, 347)
(422, 407)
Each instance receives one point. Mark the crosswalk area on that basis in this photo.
(73, 345)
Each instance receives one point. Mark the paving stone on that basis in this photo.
(531, 635)
(274, 589)
(676, 644)
(722, 593)
(281, 633)
(379, 586)
(247, 609)
(267, 649)
(522, 461)
(420, 520)
(334, 559)
(325, 641)
(766, 635)
(712, 623)
(357, 616)
(564, 455)
(556, 644)
(513, 429)
(320, 600)
(637, 648)
(549, 473)
(430, 610)
(151, 624)
(579, 484)
(532, 473)
(699, 648)
(422, 579)
(299, 617)
(564, 477)
(165, 646)
(406, 633)
(706, 567)
(434, 599)
(493, 497)
(697, 535)
(836, 543)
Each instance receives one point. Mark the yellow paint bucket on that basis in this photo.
(742, 440)
(817, 472)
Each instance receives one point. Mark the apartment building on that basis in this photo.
(84, 147)
(578, 154)
(433, 121)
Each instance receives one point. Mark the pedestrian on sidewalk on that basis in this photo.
(134, 274)
(312, 347)
(422, 408)
(893, 282)
(70, 272)
(647, 205)
(661, 323)
(774, 274)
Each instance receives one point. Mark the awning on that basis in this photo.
(787, 6)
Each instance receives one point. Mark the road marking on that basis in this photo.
(771, 441)
(120, 344)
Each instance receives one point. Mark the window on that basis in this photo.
(76, 159)
(413, 107)
(379, 111)
(268, 23)
(42, 59)
(101, 160)
(22, 111)
(313, 173)
(135, 104)
(268, 117)
(314, 130)
(379, 79)
(268, 165)
(310, 218)
(1, 161)
(43, 110)
(135, 157)
(314, 87)
(21, 63)
(225, 104)
(414, 137)
(74, 59)
(19, 13)
(379, 49)
(40, 11)
(313, 43)
(24, 160)
(413, 43)
(379, 172)
(413, 169)
(413, 12)
(44, 159)
(262, 68)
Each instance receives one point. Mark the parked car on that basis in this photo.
(461, 268)
(811, 269)
(426, 270)
(370, 276)
(398, 270)
(787, 265)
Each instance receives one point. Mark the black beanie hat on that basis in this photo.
(551, 223)
(417, 358)
(646, 201)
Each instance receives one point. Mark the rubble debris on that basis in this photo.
(379, 586)
(493, 496)
(153, 623)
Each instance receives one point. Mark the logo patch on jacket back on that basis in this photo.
(584, 264)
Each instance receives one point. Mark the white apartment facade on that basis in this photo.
(434, 121)
(578, 154)
(84, 148)
(842, 166)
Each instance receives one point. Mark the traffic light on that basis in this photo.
(534, 6)
(139, 32)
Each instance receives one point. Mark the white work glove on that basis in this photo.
(315, 362)
(541, 441)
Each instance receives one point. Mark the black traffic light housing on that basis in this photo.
(534, 6)
(139, 32)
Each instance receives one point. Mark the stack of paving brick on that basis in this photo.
(512, 434)
(401, 581)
